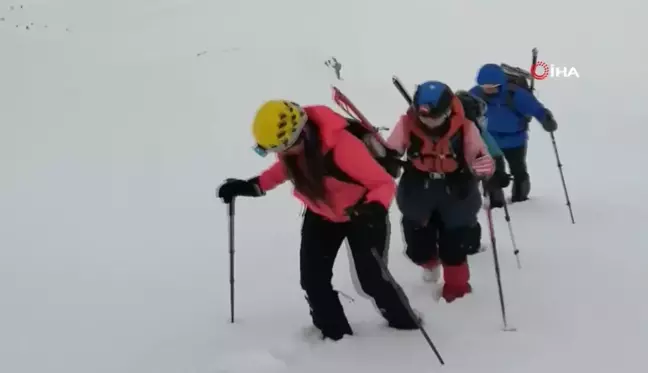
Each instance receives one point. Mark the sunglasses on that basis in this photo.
(285, 148)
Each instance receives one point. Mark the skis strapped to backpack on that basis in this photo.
(345, 104)
(517, 76)
(360, 127)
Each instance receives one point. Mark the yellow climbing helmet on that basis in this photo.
(277, 126)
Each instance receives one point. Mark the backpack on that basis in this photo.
(388, 158)
(516, 78)
(474, 108)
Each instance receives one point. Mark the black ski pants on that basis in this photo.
(438, 224)
(320, 243)
(516, 159)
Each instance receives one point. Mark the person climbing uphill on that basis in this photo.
(438, 193)
(312, 147)
(510, 109)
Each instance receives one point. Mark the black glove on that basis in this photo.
(234, 187)
(371, 214)
(392, 162)
(501, 179)
(549, 123)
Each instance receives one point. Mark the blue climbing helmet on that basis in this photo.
(433, 103)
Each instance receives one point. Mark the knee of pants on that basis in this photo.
(456, 243)
(421, 241)
(314, 283)
(369, 275)
(520, 175)
(518, 169)
(521, 178)
(373, 285)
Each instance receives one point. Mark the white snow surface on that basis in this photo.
(118, 119)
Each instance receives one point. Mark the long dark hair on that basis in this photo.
(307, 169)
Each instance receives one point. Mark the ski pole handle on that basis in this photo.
(534, 61)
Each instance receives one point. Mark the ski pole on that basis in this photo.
(403, 299)
(562, 177)
(491, 229)
(534, 60)
(487, 192)
(231, 257)
(516, 252)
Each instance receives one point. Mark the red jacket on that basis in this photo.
(351, 156)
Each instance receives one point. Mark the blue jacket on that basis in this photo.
(504, 124)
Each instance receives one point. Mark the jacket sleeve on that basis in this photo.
(272, 177)
(351, 156)
(491, 144)
(476, 153)
(397, 140)
(528, 105)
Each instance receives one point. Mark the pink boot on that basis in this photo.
(456, 281)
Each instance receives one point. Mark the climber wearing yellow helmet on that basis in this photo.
(346, 193)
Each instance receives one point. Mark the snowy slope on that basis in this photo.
(119, 119)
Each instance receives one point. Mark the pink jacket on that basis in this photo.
(351, 156)
(475, 150)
